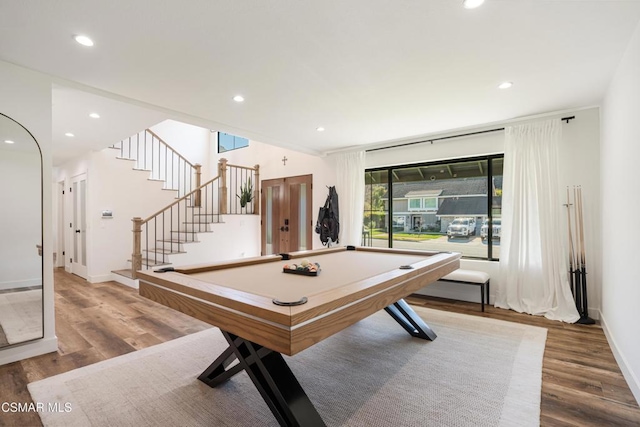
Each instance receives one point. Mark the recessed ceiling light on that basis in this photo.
(471, 4)
(505, 85)
(238, 98)
(320, 129)
(83, 40)
(8, 141)
(94, 115)
(69, 134)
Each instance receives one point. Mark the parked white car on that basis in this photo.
(496, 229)
(461, 227)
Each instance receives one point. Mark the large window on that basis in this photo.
(446, 206)
(228, 142)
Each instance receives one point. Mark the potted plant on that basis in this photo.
(246, 193)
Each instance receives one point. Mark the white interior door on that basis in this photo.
(59, 236)
(79, 225)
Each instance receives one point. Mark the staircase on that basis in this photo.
(198, 207)
(168, 231)
(172, 231)
(151, 154)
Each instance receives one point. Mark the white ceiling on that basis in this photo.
(118, 120)
(367, 70)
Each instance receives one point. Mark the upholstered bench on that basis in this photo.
(471, 277)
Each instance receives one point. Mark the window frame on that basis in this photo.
(413, 199)
(428, 208)
(388, 200)
(236, 146)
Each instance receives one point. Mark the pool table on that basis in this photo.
(263, 312)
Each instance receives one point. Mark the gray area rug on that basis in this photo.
(478, 372)
(21, 315)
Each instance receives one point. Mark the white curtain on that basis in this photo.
(350, 188)
(533, 257)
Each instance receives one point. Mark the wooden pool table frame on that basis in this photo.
(259, 332)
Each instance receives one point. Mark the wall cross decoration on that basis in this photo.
(284, 160)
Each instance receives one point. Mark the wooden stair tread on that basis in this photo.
(126, 273)
(177, 241)
(164, 251)
(152, 262)
(201, 222)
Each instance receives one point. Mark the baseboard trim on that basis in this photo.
(101, 278)
(28, 350)
(20, 284)
(132, 283)
(631, 379)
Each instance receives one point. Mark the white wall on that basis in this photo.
(113, 185)
(620, 151)
(239, 235)
(580, 166)
(234, 238)
(192, 142)
(271, 166)
(25, 96)
(580, 160)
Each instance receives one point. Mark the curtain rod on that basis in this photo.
(451, 136)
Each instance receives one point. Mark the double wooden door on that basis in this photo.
(286, 216)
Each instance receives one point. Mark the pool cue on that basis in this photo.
(581, 260)
(571, 254)
(576, 271)
(584, 314)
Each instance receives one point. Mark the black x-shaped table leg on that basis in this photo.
(410, 321)
(273, 378)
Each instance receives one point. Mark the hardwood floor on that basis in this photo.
(94, 322)
(581, 382)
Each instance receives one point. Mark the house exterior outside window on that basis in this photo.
(421, 206)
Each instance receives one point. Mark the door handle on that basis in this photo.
(284, 228)
(77, 231)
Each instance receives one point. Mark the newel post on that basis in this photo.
(198, 195)
(222, 173)
(256, 191)
(136, 256)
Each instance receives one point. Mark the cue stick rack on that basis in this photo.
(577, 257)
